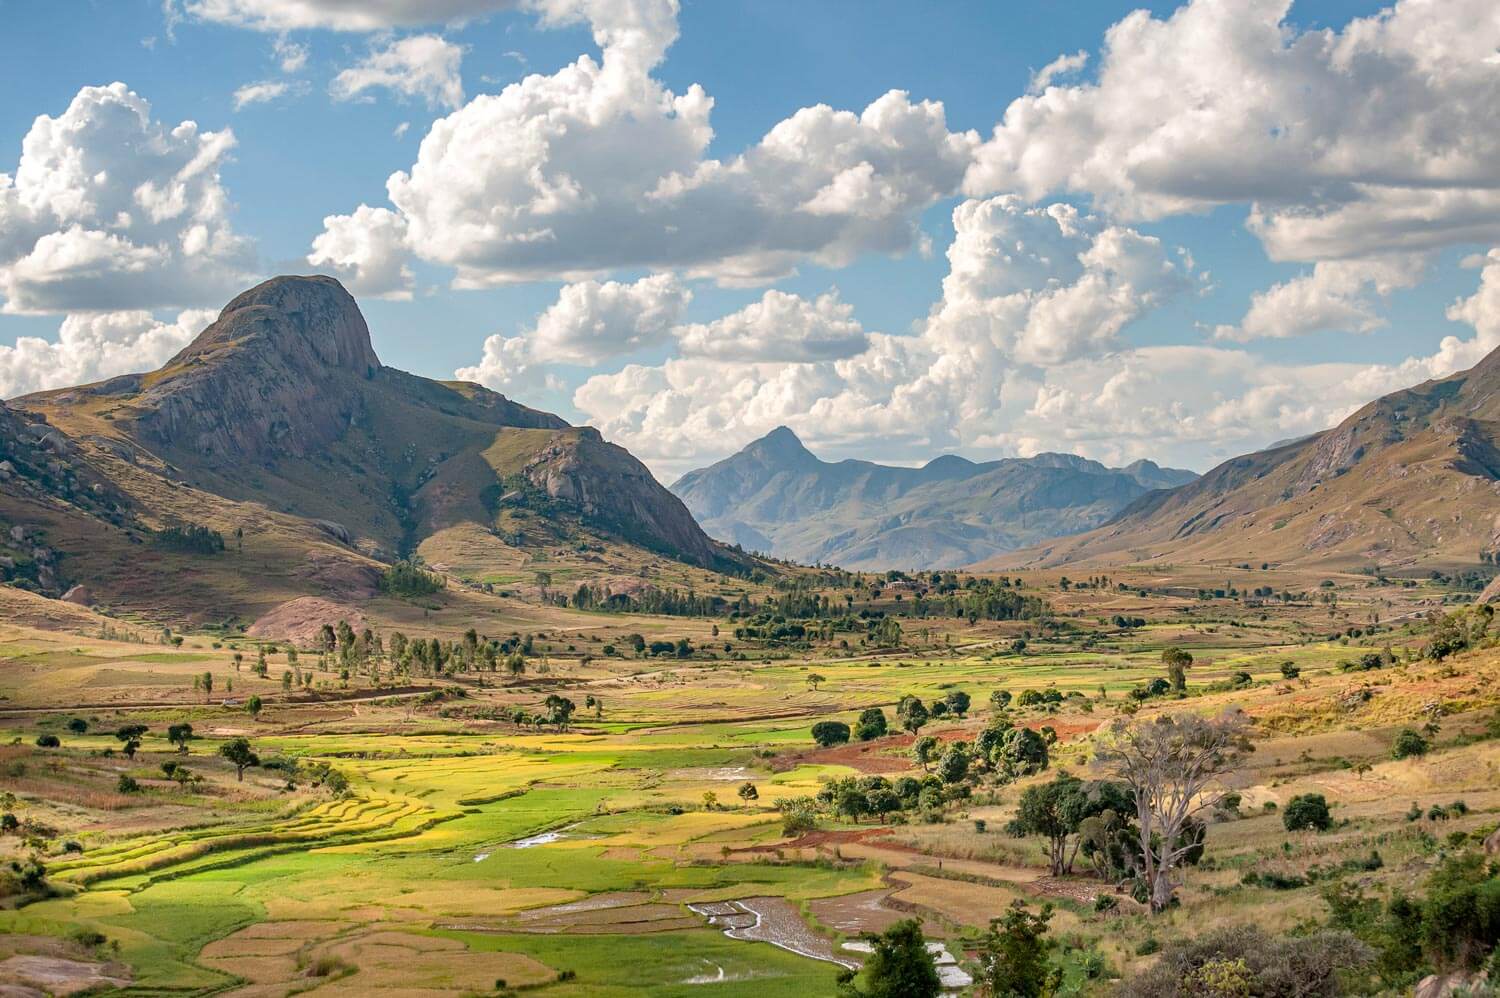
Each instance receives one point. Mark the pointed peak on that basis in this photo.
(780, 447)
(309, 316)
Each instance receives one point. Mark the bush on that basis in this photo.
(871, 725)
(47, 741)
(830, 733)
(1409, 744)
(127, 785)
(1246, 960)
(1307, 811)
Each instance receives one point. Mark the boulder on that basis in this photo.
(81, 595)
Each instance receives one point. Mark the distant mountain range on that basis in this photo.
(279, 421)
(776, 497)
(1412, 479)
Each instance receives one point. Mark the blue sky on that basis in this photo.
(1080, 359)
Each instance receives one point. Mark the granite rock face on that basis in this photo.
(278, 374)
(610, 487)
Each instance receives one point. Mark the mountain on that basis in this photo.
(280, 421)
(1413, 478)
(775, 496)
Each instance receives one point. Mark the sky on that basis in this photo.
(1174, 232)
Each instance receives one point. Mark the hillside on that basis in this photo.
(1412, 479)
(280, 422)
(775, 496)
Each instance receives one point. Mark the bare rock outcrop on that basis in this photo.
(614, 490)
(301, 620)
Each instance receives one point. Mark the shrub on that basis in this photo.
(1409, 744)
(1246, 960)
(127, 785)
(47, 741)
(829, 733)
(1307, 811)
(871, 724)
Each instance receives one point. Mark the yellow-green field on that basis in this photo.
(459, 852)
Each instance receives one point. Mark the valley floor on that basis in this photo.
(622, 856)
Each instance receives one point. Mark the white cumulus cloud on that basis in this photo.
(779, 327)
(1379, 134)
(95, 346)
(109, 209)
(421, 66)
(1336, 295)
(599, 167)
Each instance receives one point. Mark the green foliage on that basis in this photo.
(899, 967)
(1058, 809)
(1307, 811)
(1240, 961)
(1018, 752)
(830, 733)
(405, 578)
(189, 538)
(871, 725)
(239, 753)
(1409, 744)
(1453, 925)
(1015, 955)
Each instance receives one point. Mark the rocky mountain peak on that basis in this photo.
(308, 321)
(781, 445)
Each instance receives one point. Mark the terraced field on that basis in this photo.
(623, 856)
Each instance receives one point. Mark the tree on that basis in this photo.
(850, 801)
(180, 735)
(559, 710)
(48, 741)
(814, 681)
(1058, 810)
(924, 750)
(1177, 662)
(871, 724)
(710, 800)
(1307, 811)
(958, 702)
(899, 965)
(1289, 670)
(130, 738)
(829, 733)
(1000, 699)
(747, 792)
(1409, 744)
(913, 716)
(1172, 764)
(239, 753)
(78, 726)
(515, 663)
(253, 707)
(954, 764)
(1018, 752)
(208, 686)
(1014, 957)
